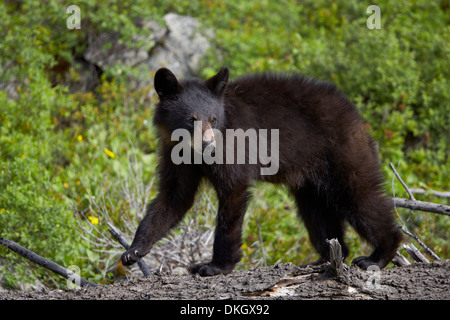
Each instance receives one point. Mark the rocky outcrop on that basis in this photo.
(178, 46)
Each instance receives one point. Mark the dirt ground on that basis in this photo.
(418, 281)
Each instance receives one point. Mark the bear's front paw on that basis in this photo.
(209, 269)
(131, 256)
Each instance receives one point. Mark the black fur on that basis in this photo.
(326, 159)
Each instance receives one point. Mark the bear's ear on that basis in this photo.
(166, 84)
(218, 83)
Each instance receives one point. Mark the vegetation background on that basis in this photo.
(72, 161)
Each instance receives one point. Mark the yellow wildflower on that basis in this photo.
(93, 220)
(80, 138)
(66, 185)
(109, 153)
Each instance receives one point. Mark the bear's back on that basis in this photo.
(271, 98)
(296, 105)
(314, 118)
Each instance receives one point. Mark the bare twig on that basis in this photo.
(400, 260)
(403, 226)
(48, 264)
(411, 196)
(415, 253)
(116, 234)
(423, 245)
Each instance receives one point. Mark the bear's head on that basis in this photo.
(187, 104)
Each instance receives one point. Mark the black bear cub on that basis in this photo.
(318, 148)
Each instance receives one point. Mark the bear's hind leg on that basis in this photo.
(374, 221)
(321, 220)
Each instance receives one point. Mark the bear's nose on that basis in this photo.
(208, 139)
(208, 134)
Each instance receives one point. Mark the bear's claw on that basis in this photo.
(130, 256)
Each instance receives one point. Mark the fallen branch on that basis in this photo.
(52, 266)
(414, 204)
(440, 194)
(116, 234)
(415, 253)
(423, 245)
(400, 260)
(408, 202)
(402, 182)
(422, 206)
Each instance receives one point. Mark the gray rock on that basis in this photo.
(179, 46)
(183, 47)
(106, 50)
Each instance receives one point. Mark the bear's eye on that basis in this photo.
(213, 120)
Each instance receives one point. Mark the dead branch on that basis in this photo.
(411, 196)
(400, 260)
(415, 253)
(50, 265)
(402, 182)
(116, 234)
(414, 204)
(423, 245)
(422, 206)
(403, 226)
(440, 194)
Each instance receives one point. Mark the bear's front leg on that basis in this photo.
(177, 188)
(150, 230)
(228, 234)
